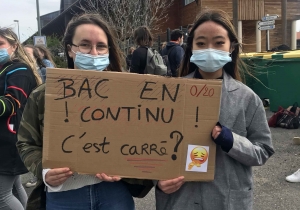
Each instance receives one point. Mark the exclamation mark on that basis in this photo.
(197, 112)
(67, 113)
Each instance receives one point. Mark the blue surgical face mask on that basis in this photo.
(4, 56)
(210, 60)
(91, 62)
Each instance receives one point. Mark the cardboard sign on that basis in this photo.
(130, 125)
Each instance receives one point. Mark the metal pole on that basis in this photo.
(268, 40)
(235, 17)
(38, 17)
(284, 21)
(17, 21)
(19, 31)
(159, 43)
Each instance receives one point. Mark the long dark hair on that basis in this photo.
(143, 36)
(220, 17)
(36, 55)
(47, 53)
(115, 57)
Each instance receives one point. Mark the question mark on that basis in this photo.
(174, 157)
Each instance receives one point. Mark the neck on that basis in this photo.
(214, 75)
(176, 42)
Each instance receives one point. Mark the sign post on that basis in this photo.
(268, 23)
(40, 40)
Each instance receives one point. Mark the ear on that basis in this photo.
(70, 53)
(14, 47)
(232, 46)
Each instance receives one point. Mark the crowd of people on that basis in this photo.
(242, 134)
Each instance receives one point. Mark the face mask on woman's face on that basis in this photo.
(4, 56)
(210, 60)
(91, 62)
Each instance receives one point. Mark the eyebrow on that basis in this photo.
(85, 40)
(216, 37)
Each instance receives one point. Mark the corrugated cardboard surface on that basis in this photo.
(86, 110)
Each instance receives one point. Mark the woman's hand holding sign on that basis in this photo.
(171, 186)
(57, 176)
(106, 178)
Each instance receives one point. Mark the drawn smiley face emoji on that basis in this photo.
(199, 155)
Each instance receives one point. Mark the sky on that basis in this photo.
(25, 12)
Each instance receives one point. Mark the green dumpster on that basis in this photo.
(257, 65)
(284, 78)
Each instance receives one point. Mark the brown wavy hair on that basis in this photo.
(36, 55)
(115, 55)
(47, 53)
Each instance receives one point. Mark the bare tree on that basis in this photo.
(126, 15)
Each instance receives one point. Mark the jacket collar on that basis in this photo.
(229, 83)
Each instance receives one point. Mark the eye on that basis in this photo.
(200, 43)
(84, 45)
(220, 43)
(101, 46)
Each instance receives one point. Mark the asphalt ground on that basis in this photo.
(271, 191)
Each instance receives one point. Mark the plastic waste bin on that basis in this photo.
(257, 65)
(284, 79)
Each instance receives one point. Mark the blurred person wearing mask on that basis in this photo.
(18, 77)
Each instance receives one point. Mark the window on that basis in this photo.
(188, 1)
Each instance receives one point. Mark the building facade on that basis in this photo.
(184, 12)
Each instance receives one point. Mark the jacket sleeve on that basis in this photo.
(17, 89)
(48, 63)
(179, 55)
(42, 72)
(30, 138)
(135, 62)
(257, 148)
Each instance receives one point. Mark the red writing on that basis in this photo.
(204, 91)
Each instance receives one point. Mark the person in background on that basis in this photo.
(295, 177)
(174, 51)
(32, 51)
(129, 57)
(89, 45)
(143, 39)
(18, 77)
(242, 135)
(46, 57)
(189, 28)
(163, 46)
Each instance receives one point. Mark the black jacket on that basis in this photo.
(16, 83)
(176, 54)
(128, 61)
(139, 60)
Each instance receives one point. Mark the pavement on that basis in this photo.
(271, 191)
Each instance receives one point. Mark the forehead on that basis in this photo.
(89, 32)
(2, 39)
(210, 28)
(28, 49)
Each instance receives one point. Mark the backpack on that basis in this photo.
(286, 118)
(155, 64)
(167, 62)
